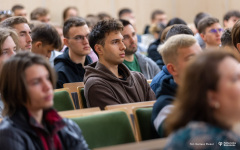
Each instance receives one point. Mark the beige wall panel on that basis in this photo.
(185, 9)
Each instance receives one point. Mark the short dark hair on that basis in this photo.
(200, 16)
(38, 12)
(178, 29)
(206, 22)
(124, 22)
(10, 22)
(13, 80)
(103, 15)
(124, 11)
(67, 9)
(156, 12)
(176, 21)
(15, 7)
(231, 13)
(99, 31)
(226, 39)
(236, 33)
(72, 22)
(47, 34)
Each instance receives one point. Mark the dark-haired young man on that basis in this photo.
(109, 81)
(133, 59)
(20, 24)
(40, 14)
(70, 65)
(197, 18)
(45, 39)
(19, 10)
(230, 18)
(210, 31)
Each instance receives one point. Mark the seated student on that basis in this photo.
(108, 81)
(69, 12)
(177, 51)
(45, 39)
(230, 18)
(197, 18)
(40, 14)
(152, 49)
(19, 10)
(20, 24)
(31, 122)
(207, 104)
(8, 47)
(174, 30)
(70, 65)
(227, 44)
(134, 60)
(210, 31)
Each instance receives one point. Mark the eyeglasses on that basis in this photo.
(79, 38)
(216, 30)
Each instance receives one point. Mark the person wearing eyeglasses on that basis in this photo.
(70, 65)
(211, 31)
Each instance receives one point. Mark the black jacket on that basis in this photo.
(16, 133)
(67, 70)
(154, 54)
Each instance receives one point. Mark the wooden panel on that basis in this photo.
(77, 112)
(73, 86)
(185, 9)
(129, 106)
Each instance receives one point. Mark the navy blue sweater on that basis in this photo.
(67, 70)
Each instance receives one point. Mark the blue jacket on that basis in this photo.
(166, 95)
(67, 70)
(158, 79)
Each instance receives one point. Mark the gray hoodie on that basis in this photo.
(148, 67)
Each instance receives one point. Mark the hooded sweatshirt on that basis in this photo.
(166, 95)
(103, 88)
(148, 67)
(67, 70)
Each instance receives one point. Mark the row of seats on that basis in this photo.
(132, 120)
(113, 127)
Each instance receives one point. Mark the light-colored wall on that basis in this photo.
(185, 9)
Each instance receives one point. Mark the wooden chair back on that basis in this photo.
(73, 86)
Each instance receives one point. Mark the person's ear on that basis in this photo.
(238, 47)
(38, 44)
(172, 69)
(213, 99)
(202, 36)
(65, 41)
(99, 49)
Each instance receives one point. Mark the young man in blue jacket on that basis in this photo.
(176, 53)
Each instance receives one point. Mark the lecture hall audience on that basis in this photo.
(197, 98)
